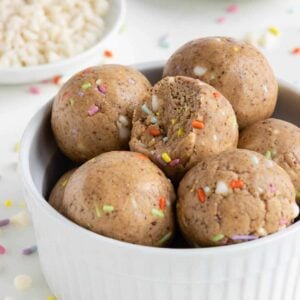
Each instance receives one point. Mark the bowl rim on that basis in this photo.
(43, 204)
(120, 16)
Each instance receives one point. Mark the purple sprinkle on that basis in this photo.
(80, 94)
(160, 160)
(4, 222)
(29, 251)
(244, 237)
(101, 89)
(174, 162)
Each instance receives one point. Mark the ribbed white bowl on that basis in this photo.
(81, 265)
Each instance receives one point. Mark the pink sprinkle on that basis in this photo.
(34, 90)
(221, 20)
(101, 88)
(232, 8)
(244, 237)
(4, 222)
(174, 162)
(272, 188)
(2, 250)
(283, 222)
(93, 110)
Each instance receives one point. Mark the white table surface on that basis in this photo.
(147, 21)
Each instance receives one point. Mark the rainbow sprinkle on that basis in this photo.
(8, 203)
(64, 183)
(51, 297)
(274, 30)
(34, 90)
(166, 158)
(4, 222)
(93, 110)
(217, 237)
(102, 89)
(108, 53)
(174, 162)
(232, 8)
(29, 251)
(165, 238)
(86, 86)
(146, 110)
(108, 208)
(244, 237)
(268, 154)
(98, 213)
(2, 250)
(157, 213)
(180, 132)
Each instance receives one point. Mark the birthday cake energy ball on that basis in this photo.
(277, 140)
(233, 197)
(235, 68)
(122, 195)
(183, 121)
(92, 112)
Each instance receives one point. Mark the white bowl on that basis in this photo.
(113, 22)
(81, 265)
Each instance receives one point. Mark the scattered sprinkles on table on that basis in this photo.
(34, 90)
(30, 250)
(8, 203)
(108, 53)
(232, 8)
(22, 282)
(2, 250)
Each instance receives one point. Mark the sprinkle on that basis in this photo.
(165, 238)
(173, 121)
(108, 208)
(221, 187)
(29, 251)
(51, 297)
(298, 194)
(2, 250)
(34, 90)
(199, 71)
(180, 132)
(22, 282)
(56, 79)
(201, 195)
(283, 221)
(164, 41)
(17, 147)
(157, 213)
(295, 210)
(142, 156)
(221, 20)
(217, 237)
(98, 213)
(146, 110)
(274, 30)
(165, 156)
(154, 131)
(162, 203)
(272, 188)
(197, 124)
(80, 93)
(8, 203)
(165, 139)
(268, 154)
(237, 184)
(254, 159)
(108, 53)
(64, 183)
(217, 95)
(93, 110)
(244, 237)
(153, 120)
(155, 104)
(20, 219)
(86, 86)
(174, 162)
(296, 51)
(207, 190)
(4, 222)
(232, 8)
(102, 89)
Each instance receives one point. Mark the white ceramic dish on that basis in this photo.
(113, 22)
(81, 265)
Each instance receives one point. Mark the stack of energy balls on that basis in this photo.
(183, 132)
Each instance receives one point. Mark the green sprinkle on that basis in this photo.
(86, 86)
(217, 237)
(298, 194)
(108, 208)
(98, 213)
(157, 213)
(268, 154)
(64, 183)
(165, 238)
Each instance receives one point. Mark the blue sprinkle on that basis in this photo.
(153, 120)
(146, 110)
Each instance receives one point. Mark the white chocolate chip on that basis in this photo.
(262, 231)
(215, 137)
(155, 104)
(124, 133)
(20, 219)
(22, 282)
(123, 120)
(295, 210)
(199, 71)
(134, 203)
(222, 188)
(171, 79)
(207, 190)
(254, 159)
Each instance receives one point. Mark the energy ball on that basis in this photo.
(183, 121)
(92, 112)
(122, 195)
(233, 197)
(57, 193)
(277, 140)
(235, 68)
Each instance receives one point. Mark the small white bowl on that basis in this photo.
(113, 22)
(81, 265)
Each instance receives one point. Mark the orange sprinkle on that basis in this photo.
(154, 131)
(162, 203)
(108, 53)
(237, 184)
(56, 79)
(201, 195)
(217, 95)
(198, 124)
(142, 156)
(296, 50)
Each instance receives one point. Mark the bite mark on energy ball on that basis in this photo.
(199, 71)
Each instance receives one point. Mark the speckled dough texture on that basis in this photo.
(184, 121)
(278, 140)
(57, 193)
(235, 196)
(92, 112)
(235, 68)
(122, 195)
